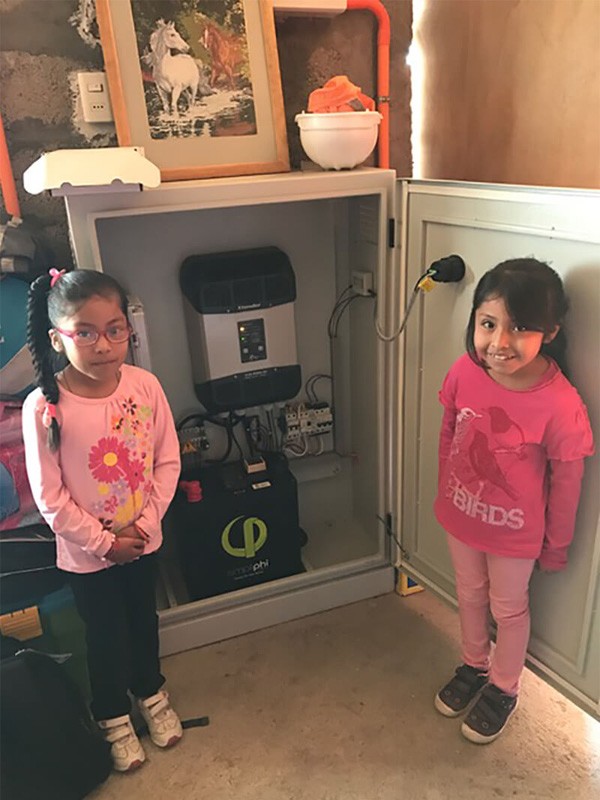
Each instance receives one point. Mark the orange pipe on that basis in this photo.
(383, 72)
(7, 180)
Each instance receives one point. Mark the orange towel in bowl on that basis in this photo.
(339, 94)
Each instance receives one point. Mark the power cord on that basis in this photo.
(449, 269)
(390, 338)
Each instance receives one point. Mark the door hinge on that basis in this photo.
(392, 232)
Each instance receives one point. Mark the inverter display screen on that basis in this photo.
(253, 344)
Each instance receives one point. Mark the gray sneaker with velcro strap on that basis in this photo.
(488, 717)
(454, 698)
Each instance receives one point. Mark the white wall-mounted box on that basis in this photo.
(385, 394)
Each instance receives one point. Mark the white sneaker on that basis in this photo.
(163, 723)
(126, 750)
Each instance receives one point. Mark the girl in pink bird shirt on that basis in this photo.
(103, 462)
(513, 438)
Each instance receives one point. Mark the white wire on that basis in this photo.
(292, 448)
(319, 449)
(390, 338)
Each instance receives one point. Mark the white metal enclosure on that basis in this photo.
(387, 413)
(487, 225)
(327, 224)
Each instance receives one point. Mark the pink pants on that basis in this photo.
(488, 582)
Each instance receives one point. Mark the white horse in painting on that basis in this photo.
(173, 74)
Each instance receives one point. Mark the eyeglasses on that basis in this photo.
(115, 334)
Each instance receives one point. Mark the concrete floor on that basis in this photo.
(338, 706)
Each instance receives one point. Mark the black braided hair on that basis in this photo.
(46, 307)
(535, 298)
(38, 341)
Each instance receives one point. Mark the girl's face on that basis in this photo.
(511, 354)
(101, 361)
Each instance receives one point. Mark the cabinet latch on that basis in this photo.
(391, 232)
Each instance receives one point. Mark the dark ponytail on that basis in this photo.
(38, 341)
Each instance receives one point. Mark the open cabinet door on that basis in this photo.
(486, 225)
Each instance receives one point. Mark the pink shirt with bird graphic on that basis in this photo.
(511, 463)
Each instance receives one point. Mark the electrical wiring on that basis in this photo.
(305, 446)
(252, 445)
(312, 382)
(338, 312)
(318, 440)
(390, 338)
(228, 423)
(232, 432)
(273, 429)
(342, 297)
(201, 417)
(196, 417)
(423, 284)
(257, 435)
(296, 449)
(227, 452)
(264, 431)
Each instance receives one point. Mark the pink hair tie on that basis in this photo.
(48, 414)
(55, 275)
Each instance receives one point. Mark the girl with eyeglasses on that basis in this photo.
(103, 462)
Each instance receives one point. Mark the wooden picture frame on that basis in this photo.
(196, 83)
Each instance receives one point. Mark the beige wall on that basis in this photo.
(512, 91)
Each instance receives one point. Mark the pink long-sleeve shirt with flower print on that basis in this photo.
(118, 463)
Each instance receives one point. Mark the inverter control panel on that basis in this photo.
(239, 312)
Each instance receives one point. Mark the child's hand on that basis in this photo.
(125, 549)
(133, 532)
(549, 566)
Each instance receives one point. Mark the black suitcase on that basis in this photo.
(50, 747)
(27, 566)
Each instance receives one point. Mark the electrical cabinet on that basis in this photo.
(374, 483)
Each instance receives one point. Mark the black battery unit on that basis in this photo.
(236, 529)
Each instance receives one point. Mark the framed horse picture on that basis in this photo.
(196, 83)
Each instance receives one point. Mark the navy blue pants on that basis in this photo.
(118, 607)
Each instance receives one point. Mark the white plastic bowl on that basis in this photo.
(340, 140)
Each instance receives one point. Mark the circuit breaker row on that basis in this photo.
(307, 419)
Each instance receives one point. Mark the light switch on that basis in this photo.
(95, 101)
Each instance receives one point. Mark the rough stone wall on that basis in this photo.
(44, 43)
(41, 51)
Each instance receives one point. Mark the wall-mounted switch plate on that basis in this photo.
(362, 282)
(95, 101)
